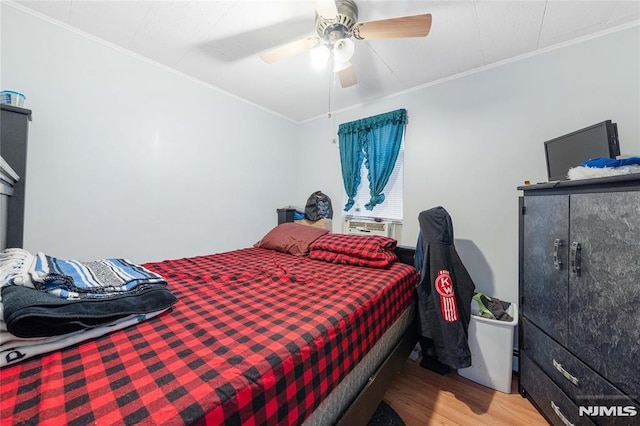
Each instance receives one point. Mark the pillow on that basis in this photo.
(373, 247)
(385, 260)
(290, 237)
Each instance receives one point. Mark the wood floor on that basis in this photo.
(422, 397)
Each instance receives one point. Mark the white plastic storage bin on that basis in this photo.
(8, 178)
(491, 345)
(11, 97)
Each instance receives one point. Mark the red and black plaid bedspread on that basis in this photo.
(256, 337)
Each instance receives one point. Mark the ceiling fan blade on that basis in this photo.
(289, 49)
(348, 77)
(326, 8)
(406, 26)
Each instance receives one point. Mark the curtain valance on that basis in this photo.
(398, 117)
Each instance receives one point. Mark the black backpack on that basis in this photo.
(318, 207)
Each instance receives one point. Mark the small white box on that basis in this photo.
(491, 346)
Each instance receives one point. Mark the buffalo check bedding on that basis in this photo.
(256, 337)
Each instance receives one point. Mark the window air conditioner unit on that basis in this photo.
(362, 227)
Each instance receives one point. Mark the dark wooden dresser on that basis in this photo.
(14, 126)
(580, 300)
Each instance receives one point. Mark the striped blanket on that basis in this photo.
(100, 278)
(48, 303)
(74, 279)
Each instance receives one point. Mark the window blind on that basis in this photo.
(391, 209)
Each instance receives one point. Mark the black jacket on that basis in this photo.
(444, 291)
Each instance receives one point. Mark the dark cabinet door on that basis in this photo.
(604, 306)
(545, 253)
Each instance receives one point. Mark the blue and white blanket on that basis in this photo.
(74, 279)
(48, 303)
(604, 167)
(611, 162)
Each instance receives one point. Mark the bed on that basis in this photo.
(257, 336)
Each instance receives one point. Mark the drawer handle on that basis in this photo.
(557, 243)
(573, 379)
(575, 258)
(561, 416)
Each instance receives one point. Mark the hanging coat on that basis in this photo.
(444, 291)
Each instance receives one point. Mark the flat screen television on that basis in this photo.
(565, 152)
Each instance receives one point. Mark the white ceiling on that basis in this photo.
(218, 42)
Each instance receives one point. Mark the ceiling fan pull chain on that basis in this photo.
(332, 80)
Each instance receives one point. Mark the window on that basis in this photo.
(392, 206)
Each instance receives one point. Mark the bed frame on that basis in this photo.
(367, 400)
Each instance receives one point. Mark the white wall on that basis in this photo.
(129, 159)
(472, 140)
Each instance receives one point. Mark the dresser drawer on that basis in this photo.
(580, 383)
(550, 400)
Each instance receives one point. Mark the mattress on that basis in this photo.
(256, 337)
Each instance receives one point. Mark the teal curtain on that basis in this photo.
(381, 152)
(377, 139)
(351, 154)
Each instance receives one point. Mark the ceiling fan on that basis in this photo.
(336, 23)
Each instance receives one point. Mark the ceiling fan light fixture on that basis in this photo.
(336, 26)
(343, 50)
(319, 56)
